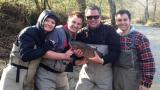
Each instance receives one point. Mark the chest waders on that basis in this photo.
(96, 76)
(51, 74)
(18, 75)
(126, 75)
(57, 66)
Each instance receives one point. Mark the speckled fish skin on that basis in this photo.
(88, 52)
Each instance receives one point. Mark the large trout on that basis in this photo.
(88, 52)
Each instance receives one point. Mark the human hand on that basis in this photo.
(96, 59)
(68, 54)
(78, 52)
(141, 87)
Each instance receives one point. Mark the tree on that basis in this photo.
(146, 14)
(112, 11)
(46, 4)
(37, 5)
(81, 5)
(155, 9)
(121, 3)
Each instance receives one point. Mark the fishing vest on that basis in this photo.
(57, 66)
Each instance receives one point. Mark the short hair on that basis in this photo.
(78, 14)
(124, 12)
(93, 7)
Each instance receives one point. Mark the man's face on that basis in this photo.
(49, 24)
(93, 18)
(123, 22)
(74, 24)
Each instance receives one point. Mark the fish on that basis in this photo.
(88, 52)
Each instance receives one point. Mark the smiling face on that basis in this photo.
(49, 24)
(123, 22)
(74, 23)
(93, 18)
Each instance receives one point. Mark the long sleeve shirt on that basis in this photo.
(145, 57)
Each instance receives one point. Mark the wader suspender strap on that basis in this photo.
(73, 60)
(67, 35)
(18, 70)
(133, 41)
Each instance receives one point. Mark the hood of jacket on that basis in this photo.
(42, 17)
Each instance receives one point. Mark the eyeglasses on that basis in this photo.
(92, 17)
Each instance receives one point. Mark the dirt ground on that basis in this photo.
(2, 65)
(5, 47)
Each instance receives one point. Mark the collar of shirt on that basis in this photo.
(119, 31)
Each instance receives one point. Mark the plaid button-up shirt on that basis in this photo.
(145, 57)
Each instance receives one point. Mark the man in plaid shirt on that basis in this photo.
(136, 67)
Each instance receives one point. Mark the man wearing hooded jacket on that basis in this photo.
(26, 53)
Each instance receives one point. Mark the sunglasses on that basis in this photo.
(92, 17)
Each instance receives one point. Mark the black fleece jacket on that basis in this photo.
(104, 35)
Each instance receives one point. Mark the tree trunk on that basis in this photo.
(44, 4)
(81, 5)
(155, 9)
(146, 11)
(112, 11)
(48, 4)
(37, 5)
